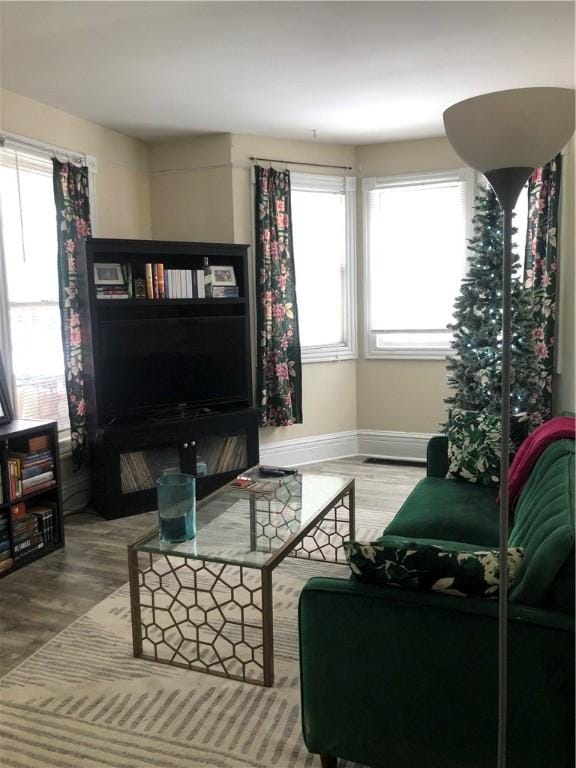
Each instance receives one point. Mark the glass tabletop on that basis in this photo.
(249, 527)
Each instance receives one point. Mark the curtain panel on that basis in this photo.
(540, 278)
(279, 370)
(73, 222)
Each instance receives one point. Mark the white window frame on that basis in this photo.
(310, 182)
(423, 350)
(44, 151)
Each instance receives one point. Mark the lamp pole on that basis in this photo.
(507, 184)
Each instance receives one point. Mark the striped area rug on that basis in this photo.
(84, 701)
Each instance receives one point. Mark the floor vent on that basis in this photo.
(399, 462)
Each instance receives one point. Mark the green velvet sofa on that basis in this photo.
(394, 678)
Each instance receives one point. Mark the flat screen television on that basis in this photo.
(156, 364)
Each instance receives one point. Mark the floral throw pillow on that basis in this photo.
(474, 447)
(431, 568)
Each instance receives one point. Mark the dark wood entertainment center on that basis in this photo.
(130, 448)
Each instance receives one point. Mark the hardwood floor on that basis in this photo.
(39, 601)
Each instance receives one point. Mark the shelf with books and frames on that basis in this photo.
(31, 518)
(197, 272)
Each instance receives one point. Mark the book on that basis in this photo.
(32, 482)
(45, 517)
(149, 282)
(161, 284)
(37, 469)
(38, 444)
(127, 274)
(17, 511)
(155, 281)
(200, 283)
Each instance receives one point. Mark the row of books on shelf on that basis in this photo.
(30, 471)
(25, 529)
(154, 281)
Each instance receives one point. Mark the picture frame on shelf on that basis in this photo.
(223, 276)
(6, 410)
(108, 274)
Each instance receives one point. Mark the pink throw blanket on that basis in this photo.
(555, 429)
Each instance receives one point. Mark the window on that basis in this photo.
(29, 290)
(323, 211)
(416, 230)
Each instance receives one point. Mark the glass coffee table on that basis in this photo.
(206, 604)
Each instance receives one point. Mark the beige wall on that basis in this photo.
(565, 380)
(191, 189)
(329, 389)
(400, 395)
(122, 190)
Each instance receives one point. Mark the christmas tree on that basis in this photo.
(474, 369)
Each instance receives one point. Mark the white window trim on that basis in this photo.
(41, 149)
(415, 351)
(323, 183)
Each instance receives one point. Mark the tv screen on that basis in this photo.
(157, 363)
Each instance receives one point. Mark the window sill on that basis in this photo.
(408, 354)
(327, 355)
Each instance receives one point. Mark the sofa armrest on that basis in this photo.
(394, 677)
(437, 456)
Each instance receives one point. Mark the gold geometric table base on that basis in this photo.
(216, 617)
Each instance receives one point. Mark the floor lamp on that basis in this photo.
(506, 135)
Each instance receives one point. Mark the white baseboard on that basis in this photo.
(307, 450)
(401, 446)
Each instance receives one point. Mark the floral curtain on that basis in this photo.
(279, 372)
(540, 275)
(73, 221)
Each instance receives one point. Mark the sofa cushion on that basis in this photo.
(451, 511)
(544, 526)
(429, 567)
(474, 446)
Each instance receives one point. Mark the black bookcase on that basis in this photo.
(129, 451)
(15, 440)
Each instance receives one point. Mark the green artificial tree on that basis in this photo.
(474, 368)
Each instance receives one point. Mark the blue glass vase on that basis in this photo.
(176, 507)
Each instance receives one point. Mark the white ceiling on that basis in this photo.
(355, 72)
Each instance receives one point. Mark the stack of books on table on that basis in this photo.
(30, 472)
(6, 560)
(27, 535)
(225, 292)
(112, 292)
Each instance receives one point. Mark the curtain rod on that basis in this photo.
(47, 149)
(296, 162)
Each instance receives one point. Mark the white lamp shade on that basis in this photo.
(521, 128)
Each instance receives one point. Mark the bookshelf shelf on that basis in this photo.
(170, 302)
(28, 449)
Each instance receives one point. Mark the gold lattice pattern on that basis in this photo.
(201, 615)
(325, 541)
